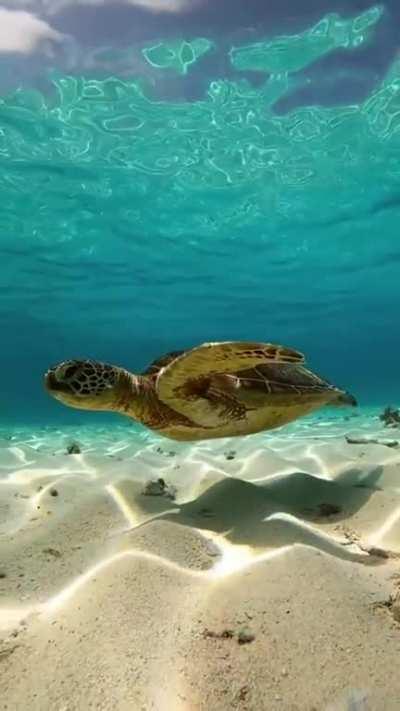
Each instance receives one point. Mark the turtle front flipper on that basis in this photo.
(184, 384)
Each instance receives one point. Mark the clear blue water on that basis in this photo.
(189, 186)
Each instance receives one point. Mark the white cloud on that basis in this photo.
(162, 5)
(158, 5)
(51, 7)
(23, 32)
(152, 5)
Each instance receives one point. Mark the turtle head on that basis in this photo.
(85, 384)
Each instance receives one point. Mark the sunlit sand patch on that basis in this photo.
(309, 456)
(61, 598)
(285, 473)
(134, 516)
(262, 462)
(147, 456)
(118, 448)
(10, 617)
(60, 477)
(322, 468)
(235, 558)
(204, 477)
(18, 455)
(231, 557)
(36, 498)
(378, 535)
(123, 505)
(29, 474)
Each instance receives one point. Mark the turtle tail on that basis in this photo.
(343, 398)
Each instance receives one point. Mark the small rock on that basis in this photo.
(243, 692)
(53, 492)
(392, 604)
(230, 455)
(73, 448)
(377, 552)
(158, 487)
(159, 450)
(245, 637)
(212, 549)
(390, 416)
(225, 634)
(52, 551)
(369, 440)
(3, 574)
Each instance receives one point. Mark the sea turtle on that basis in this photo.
(214, 390)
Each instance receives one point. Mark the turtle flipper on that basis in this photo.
(184, 383)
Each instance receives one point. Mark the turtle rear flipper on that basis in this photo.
(344, 399)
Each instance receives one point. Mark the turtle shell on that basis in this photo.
(156, 365)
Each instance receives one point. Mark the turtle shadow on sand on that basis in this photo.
(283, 511)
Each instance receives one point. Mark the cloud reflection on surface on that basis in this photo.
(23, 32)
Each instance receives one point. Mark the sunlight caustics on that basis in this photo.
(317, 538)
(61, 598)
(10, 617)
(179, 55)
(236, 559)
(125, 508)
(391, 521)
(292, 53)
(19, 455)
(232, 557)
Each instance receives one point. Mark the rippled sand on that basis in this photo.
(262, 574)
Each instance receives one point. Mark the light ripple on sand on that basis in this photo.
(241, 505)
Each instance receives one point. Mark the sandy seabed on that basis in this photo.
(260, 573)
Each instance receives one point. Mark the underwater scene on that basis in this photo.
(200, 401)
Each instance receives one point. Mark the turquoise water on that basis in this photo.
(152, 209)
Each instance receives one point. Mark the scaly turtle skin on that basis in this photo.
(214, 390)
